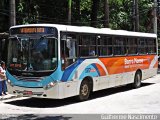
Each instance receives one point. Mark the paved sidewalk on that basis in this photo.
(8, 96)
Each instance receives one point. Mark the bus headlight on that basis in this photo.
(50, 85)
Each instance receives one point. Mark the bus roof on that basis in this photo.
(85, 29)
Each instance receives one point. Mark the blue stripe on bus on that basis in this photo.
(86, 73)
(94, 65)
(71, 69)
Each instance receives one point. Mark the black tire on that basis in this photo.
(84, 91)
(137, 80)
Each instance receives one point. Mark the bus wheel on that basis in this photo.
(85, 90)
(137, 80)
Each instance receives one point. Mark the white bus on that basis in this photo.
(60, 61)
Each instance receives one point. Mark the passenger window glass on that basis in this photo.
(105, 46)
(68, 49)
(119, 46)
(151, 46)
(142, 47)
(87, 45)
(132, 47)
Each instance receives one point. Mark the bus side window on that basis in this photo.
(151, 43)
(87, 45)
(119, 46)
(132, 46)
(68, 50)
(142, 46)
(105, 46)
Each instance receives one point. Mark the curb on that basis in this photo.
(6, 97)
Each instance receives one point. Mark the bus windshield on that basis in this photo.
(32, 53)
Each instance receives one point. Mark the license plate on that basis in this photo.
(27, 93)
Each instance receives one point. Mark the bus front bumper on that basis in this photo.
(59, 91)
(34, 92)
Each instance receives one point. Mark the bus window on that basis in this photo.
(92, 51)
(105, 46)
(119, 46)
(132, 46)
(68, 49)
(87, 45)
(142, 46)
(151, 46)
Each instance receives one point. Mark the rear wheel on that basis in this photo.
(137, 80)
(84, 91)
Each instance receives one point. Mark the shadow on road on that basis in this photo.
(50, 103)
(36, 117)
(111, 91)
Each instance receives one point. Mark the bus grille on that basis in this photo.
(29, 79)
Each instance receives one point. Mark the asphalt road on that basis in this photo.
(121, 100)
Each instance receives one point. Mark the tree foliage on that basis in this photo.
(84, 13)
(4, 15)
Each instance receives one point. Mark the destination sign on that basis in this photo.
(34, 30)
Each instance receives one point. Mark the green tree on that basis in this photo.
(84, 13)
(27, 12)
(85, 8)
(4, 15)
(146, 15)
(94, 13)
(106, 13)
(69, 11)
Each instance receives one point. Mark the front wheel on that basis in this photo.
(137, 80)
(84, 91)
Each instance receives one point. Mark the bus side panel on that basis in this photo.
(68, 89)
(147, 73)
(128, 77)
(113, 72)
(110, 81)
(121, 70)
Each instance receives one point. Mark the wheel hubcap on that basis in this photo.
(84, 90)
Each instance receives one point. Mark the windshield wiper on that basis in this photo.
(16, 37)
